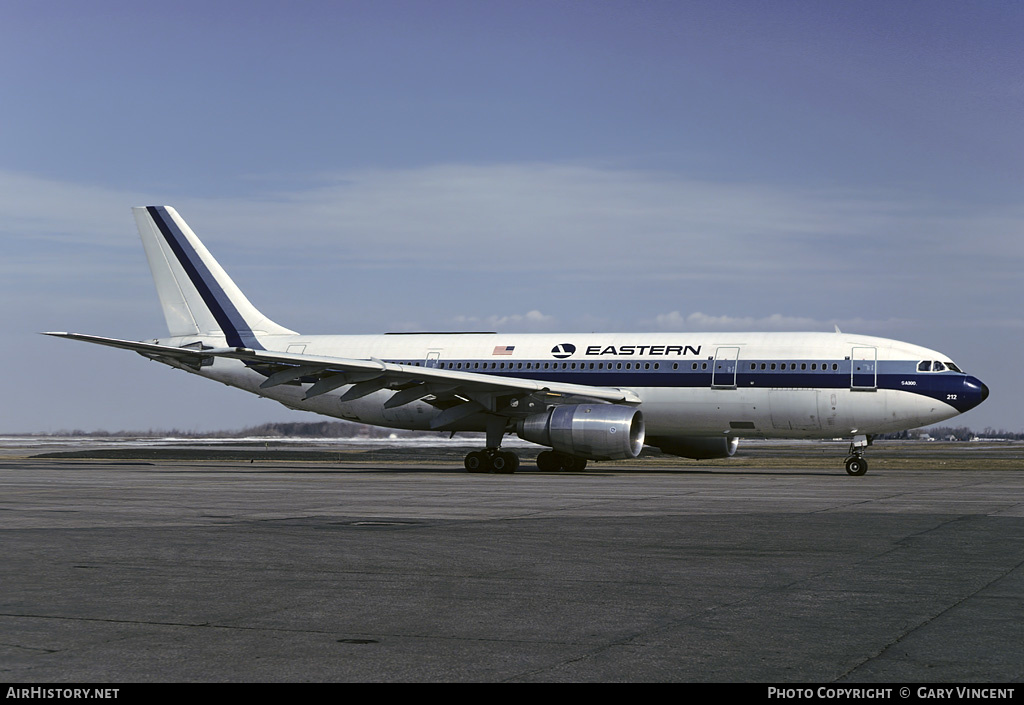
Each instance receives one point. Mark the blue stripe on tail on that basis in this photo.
(231, 322)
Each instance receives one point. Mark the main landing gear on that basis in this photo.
(504, 462)
(856, 464)
(492, 460)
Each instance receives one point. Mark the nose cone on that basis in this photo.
(975, 392)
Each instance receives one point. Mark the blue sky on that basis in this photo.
(519, 166)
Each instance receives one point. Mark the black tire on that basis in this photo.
(505, 462)
(499, 463)
(573, 463)
(856, 466)
(477, 461)
(548, 461)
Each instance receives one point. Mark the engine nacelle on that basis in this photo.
(697, 447)
(592, 431)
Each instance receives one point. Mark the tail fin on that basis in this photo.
(197, 295)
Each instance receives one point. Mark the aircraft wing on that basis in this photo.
(458, 394)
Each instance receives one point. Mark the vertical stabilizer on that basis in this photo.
(197, 295)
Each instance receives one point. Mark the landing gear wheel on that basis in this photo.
(548, 461)
(553, 461)
(856, 465)
(499, 461)
(573, 463)
(504, 462)
(477, 461)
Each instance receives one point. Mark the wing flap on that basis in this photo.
(396, 373)
(419, 391)
(290, 374)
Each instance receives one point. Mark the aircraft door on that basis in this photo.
(723, 376)
(432, 358)
(864, 368)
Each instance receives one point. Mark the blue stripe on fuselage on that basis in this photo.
(960, 391)
(236, 331)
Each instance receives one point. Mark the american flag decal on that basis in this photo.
(503, 349)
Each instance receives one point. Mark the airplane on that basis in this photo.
(585, 397)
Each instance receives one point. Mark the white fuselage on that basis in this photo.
(793, 385)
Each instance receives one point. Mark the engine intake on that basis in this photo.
(592, 431)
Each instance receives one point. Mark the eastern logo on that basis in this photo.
(563, 350)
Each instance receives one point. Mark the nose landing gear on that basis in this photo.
(856, 464)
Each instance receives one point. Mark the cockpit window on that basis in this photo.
(936, 366)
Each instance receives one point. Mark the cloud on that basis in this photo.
(584, 229)
(529, 322)
(51, 209)
(551, 217)
(697, 321)
(700, 321)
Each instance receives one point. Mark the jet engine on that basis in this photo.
(697, 447)
(592, 431)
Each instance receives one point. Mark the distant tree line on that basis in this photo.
(958, 433)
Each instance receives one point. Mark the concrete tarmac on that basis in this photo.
(171, 571)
